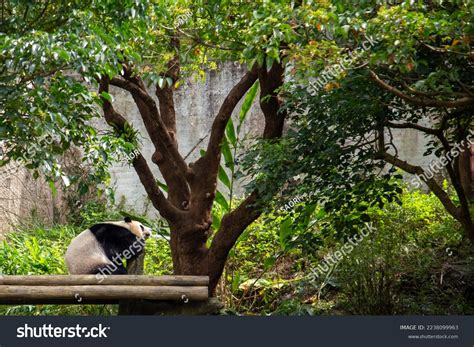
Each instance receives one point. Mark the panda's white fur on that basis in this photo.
(91, 249)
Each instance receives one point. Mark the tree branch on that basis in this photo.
(413, 126)
(270, 82)
(462, 102)
(430, 182)
(158, 199)
(165, 94)
(443, 50)
(453, 174)
(153, 122)
(232, 226)
(234, 223)
(204, 171)
(225, 112)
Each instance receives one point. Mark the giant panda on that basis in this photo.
(100, 248)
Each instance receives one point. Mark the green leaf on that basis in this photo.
(162, 185)
(136, 218)
(269, 62)
(247, 104)
(268, 263)
(223, 177)
(285, 232)
(260, 59)
(235, 281)
(216, 221)
(52, 186)
(227, 153)
(83, 188)
(66, 180)
(161, 82)
(106, 96)
(230, 132)
(63, 54)
(221, 200)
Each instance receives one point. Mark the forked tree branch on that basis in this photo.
(158, 199)
(156, 128)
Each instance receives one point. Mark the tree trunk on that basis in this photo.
(192, 187)
(465, 180)
(189, 253)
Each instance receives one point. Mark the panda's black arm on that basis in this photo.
(137, 251)
(117, 241)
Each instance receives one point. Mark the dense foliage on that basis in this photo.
(379, 71)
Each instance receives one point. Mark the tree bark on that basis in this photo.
(466, 163)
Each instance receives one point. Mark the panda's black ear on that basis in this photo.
(127, 220)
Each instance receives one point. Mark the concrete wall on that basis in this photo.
(23, 198)
(196, 106)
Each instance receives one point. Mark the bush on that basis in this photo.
(411, 264)
(414, 263)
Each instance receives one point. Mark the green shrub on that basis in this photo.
(399, 268)
(35, 251)
(158, 259)
(414, 263)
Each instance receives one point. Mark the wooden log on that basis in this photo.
(32, 301)
(139, 280)
(105, 293)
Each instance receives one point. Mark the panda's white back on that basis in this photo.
(85, 255)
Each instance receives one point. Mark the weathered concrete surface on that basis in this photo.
(22, 197)
(197, 103)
